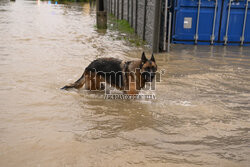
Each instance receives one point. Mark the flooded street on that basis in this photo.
(200, 117)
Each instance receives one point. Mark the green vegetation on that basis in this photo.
(126, 32)
(122, 25)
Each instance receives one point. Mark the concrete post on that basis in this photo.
(132, 14)
(115, 8)
(128, 10)
(122, 9)
(118, 9)
(136, 15)
(144, 19)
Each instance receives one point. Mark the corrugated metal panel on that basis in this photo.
(212, 21)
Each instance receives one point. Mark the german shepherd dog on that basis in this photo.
(127, 76)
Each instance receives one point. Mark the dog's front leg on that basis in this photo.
(132, 89)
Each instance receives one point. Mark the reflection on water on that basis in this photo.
(200, 116)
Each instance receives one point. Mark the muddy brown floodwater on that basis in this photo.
(200, 117)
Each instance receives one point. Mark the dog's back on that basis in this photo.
(105, 65)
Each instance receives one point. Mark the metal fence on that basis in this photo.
(143, 15)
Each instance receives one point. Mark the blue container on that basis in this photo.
(235, 22)
(211, 22)
(196, 21)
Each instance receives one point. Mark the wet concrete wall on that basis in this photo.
(139, 13)
(149, 21)
(140, 19)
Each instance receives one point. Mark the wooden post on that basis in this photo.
(101, 15)
(157, 25)
(97, 6)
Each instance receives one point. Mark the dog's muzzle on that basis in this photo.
(148, 76)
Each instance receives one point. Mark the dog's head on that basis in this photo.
(148, 68)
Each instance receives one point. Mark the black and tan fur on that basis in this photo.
(131, 76)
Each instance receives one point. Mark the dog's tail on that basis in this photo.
(77, 84)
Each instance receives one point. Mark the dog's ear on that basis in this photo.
(152, 58)
(143, 58)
